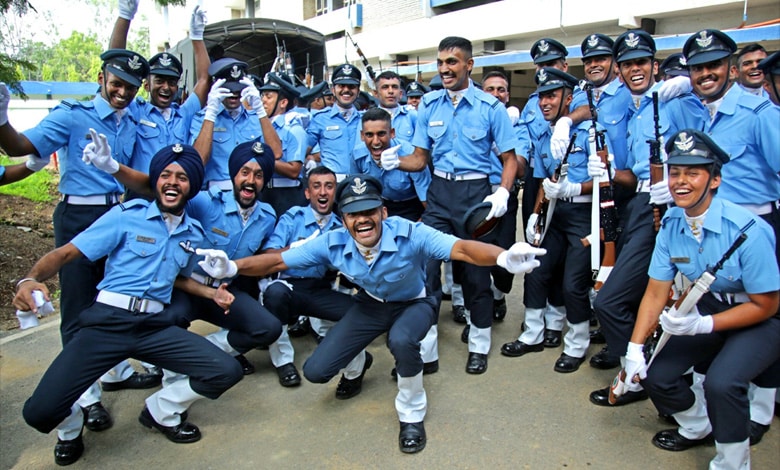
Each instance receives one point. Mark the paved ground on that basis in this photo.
(519, 414)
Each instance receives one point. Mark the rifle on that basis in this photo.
(604, 216)
(288, 67)
(418, 78)
(656, 163)
(683, 305)
(307, 77)
(364, 59)
(544, 207)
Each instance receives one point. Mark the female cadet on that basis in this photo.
(733, 333)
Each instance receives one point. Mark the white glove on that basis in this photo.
(635, 365)
(35, 163)
(197, 24)
(5, 98)
(514, 114)
(562, 189)
(560, 138)
(674, 87)
(691, 324)
(217, 264)
(127, 9)
(597, 168)
(310, 165)
(251, 96)
(214, 100)
(303, 241)
(659, 193)
(520, 258)
(530, 227)
(98, 153)
(389, 158)
(499, 200)
(28, 319)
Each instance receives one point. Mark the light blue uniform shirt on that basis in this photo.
(460, 140)
(521, 150)
(143, 259)
(2, 172)
(397, 273)
(154, 132)
(336, 137)
(296, 224)
(545, 164)
(228, 133)
(397, 185)
(66, 130)
(404, 122)
(747, 127)
(747, 270)
(683, 112)
(218, 214)
(612, 107)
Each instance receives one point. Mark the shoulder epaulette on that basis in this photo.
(140, 100)
(432, 96)
(133, 203)
(487, 98)
(320, 111)
(70, 103)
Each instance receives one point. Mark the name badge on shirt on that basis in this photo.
(680, 259)
(142, 239)
(148, 123)
(219, 232)
(332, 128)
(436, 123)
(220, 129)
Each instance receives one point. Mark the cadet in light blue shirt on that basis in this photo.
(389, 93)
(735, 327)
(146, 245)
(403, 192)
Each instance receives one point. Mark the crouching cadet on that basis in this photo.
(386, 258)
(732, 333)
(147, 244)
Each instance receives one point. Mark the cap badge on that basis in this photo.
(165, 60)
(413, 86)
(235, 72)
(593, 41)
(684, 142)
(632, 40)
(359, 187)
(543, 46)
(257, 147)
(134, 63)
(177, 148)
(683, 62)
(704, 40)
(346, 70)
(542, 76)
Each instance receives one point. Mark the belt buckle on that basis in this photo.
(138, 305)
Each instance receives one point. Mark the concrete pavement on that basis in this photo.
(519, 414)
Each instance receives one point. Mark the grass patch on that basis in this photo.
(36, 187)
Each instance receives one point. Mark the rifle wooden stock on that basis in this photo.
(540, 209)
(656, 176)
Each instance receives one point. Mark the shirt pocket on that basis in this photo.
(144, 249)
(436, 132)
(332, 134)
(734, 149)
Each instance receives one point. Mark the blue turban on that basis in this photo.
(184, 155)
(258, 151)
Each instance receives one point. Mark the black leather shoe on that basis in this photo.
(671, 439)
(499, 309)
(428, 368)
(604, 360)
(136, 381)
(566, 363)
(182, 433)
(246, 366)
(348, 388)
(517, 348)
(459, 314)
(601, 397)
(412, 438)
(757, 432)
(464, 335)
(597, 337)
(300, 328)
(552, 338)
(477, 363)
(288, 375)
(68, 452)
(96, 418)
